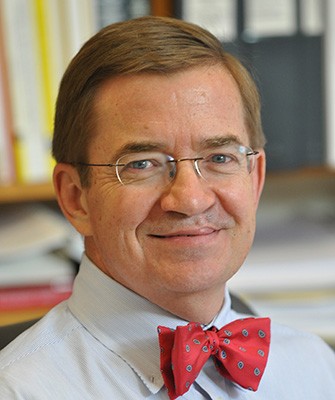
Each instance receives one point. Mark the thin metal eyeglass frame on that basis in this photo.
(172, 160)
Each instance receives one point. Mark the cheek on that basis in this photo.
(237, 200)
(114, 222)
(117, 213)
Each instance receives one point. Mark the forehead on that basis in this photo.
(178, 110)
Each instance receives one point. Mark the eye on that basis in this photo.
(143, 167)
(221, 163)
(220, 158)
(140, 164)
(139, 167)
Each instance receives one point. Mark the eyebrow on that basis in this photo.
(208, 143)
(220, 141)
(137, 147)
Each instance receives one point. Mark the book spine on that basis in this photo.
(46, 55)
(7, 162)
(29, 297)
(25, 85)
(40, 37)
(79, 23)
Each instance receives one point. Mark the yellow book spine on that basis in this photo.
(45, 49)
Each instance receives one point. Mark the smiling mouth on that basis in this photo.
(173, 236)
(177, 235)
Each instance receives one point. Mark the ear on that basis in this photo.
(71, 197)
(258, 176)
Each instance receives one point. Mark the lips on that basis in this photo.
(186, 233)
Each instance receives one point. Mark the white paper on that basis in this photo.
(31, 230)
(218, 16)
(47, 269)
(312, 17)
(289, 274)
(297, 253)
(268, 18)
(300, 312)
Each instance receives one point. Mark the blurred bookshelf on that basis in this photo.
(298, 135)
(18, 193)
(37, 245)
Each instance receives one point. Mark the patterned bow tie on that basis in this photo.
(239, 349)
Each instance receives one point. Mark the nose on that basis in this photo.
(188, 194)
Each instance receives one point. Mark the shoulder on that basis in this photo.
(37, 353)
(286, 337)
(299, 359)
(51, 331)
(301, 354)
(57, 358)
(300, 364)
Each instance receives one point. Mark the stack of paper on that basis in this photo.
(34, 274)
(290, 275)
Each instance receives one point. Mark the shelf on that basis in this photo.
(21, 193)
(311, 181)
(44, 191)
(14, 317)
(303, 173)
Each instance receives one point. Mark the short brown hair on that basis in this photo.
(157, 45)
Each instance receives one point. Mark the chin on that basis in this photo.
(197, 282)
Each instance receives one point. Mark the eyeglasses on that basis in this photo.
(154, 167)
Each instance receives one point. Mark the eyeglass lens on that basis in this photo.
(159, 168)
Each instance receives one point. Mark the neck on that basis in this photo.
(199, 307)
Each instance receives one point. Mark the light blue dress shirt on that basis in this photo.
(102, 344)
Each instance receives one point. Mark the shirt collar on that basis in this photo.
(125, 322)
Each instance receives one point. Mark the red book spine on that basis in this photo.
(28, 297)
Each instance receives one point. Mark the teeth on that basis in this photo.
(181, 236)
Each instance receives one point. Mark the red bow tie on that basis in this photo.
(239, 349)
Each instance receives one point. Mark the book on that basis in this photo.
(7, 163)
(44, 14)
(61, 29)
(45, 270)
(78, 24)
(40, 38)
(20, 298)
(30, 286)
(25, 84)
(289, 274)
(31, 230)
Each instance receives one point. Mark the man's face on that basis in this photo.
(187, 237)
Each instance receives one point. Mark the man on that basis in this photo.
(160, 167)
